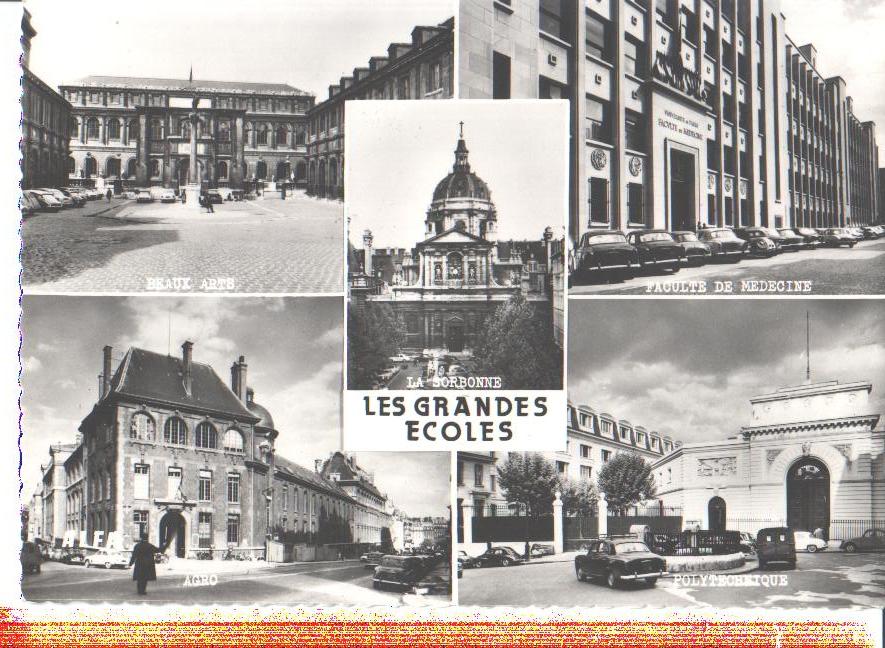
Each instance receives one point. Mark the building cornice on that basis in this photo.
(869, 420)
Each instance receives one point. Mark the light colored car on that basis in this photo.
(804, 540)
(107, 558)
(29, 204)
(167, 196)
(65, 200)
(48, 202)
(144, 196)
(401, 357)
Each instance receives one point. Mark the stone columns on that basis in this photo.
(558, 539)
(142, 166)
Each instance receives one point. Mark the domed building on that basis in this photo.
(447, 284)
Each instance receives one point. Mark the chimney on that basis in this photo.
(106, 372)
(186, 355)
(317, 465)
(238, 378)
(367, 251)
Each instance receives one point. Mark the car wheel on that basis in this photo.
(579, 572)
(376, 584)
(676, 268)
(811, 548)
(505, 562)
(651, 581)
(762, 564)
(850, 547)
(87, 564)
(612, 579)
(107, 565)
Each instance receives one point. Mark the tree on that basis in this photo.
(528, 479)
(626, 480)
(579, 496)
(374, 334)
(516, 344)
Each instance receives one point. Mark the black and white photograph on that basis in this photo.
(456, 223)
(715, 147)
(151, 473)
(731, 456)
(199, 147)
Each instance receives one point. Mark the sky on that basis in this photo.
(308, 44)
(398, 151)
(293, 347)
(848, 37)
(687, 368)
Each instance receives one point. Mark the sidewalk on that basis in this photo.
(190, 566)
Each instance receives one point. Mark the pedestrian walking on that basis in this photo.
(109, 195)
(143, 561)
(209, 206)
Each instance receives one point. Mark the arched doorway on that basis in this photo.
(808, 496)
(89, 166)
(283, 171)
(300, 172)
(112, 167)
(261, 170)
(455, 335)
(183, 166)
(716, 514)
(172, 532)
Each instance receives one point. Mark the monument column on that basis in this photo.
(142, 157)
(192, 189)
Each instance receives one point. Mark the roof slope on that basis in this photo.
(309, 476)
(151, 83)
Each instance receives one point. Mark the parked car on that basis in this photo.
(776, 545)
(399, 571)
(163, 194)
(656, 248)
(499, 557)
(538, 550)
(466, 561)
(870, 233)
(401, 357)
(144, 196)
(48, 202)
(30, 558)
(805, 540)
(748, 543)
(791, 242)
(856, 232)
(214, 197)
(604, 251)
(371, 558)
(617, 560)
(107, 558)
(65, 200)
(29, 204)
(810, 237)
(760, 242)
(871, 540)
(74, 557)
(723, 243)
(694, 251)
(78, 199)
(837, 237)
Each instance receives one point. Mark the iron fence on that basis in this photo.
(695, 543)
(656, 523)
(838, 529)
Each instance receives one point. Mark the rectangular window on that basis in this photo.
(205, 486)
(634, 57)
(712, 155)
(711, 209)
(142, 482)
(552, 21)
(173, 483)
(606, 455)
(204, 529)
(634, 131)
(434, 77)
(233, 488)
(598, 200)
(623, 432)
(493, 486)
(596, 37)
(460, 473)
(598, 120)
(561, 467)
(500, 76)
(140, 520)
(477, 475)
(586, 472)
(233, 529)
(729, 212)
(635, 206)
(404, 88)
(585, 451)
(285, 498)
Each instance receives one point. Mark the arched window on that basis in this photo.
(92, 128)
(130, 168)
(175, 431)
(222, 170)
(74, 127)
(299, 136)
(233, 441)
(262, 135)
(112, 167)
(72, 165)
(155, 168)
(156, 131)
(454, 263)
(282, 136)
(223, 131)
(184, 129)
(261, 170)
(134, 129)
(141, 427)
(206, 436)
(89, 166)
(114, 129)
(333, 172)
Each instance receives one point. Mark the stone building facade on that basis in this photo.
(46, 117)
(420, 69)
(137, 130)
(370, 509)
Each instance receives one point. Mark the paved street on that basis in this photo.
(347, 583)
(831, 271)
(830, 579)
(265, 245)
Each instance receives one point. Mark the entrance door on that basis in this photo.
(455, 337)
(172, 532)
(716, 514)
(682, 191)
(808, 496)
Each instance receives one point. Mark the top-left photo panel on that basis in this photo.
(198, 147)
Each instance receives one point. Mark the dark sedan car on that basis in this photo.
(499, 557)
(791, 242)
(810, 236)
(869, 233)
(695, 251)
(776, 545)
(724, 243)
(618, 560)
(604, 251)
(371, 558)
(871, 540)
(760, 241)
(837, 237)
(399, 571)
(656, 248)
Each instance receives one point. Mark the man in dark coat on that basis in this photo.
(143, 559)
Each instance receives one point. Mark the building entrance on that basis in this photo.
(682, 191)
(808, 496)
(455, 336)
(716, 514)
(172, 528)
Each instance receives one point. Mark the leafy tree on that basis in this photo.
(579, 496)
(626, 480)
(375, 333)
(528, 479)
(516, 343)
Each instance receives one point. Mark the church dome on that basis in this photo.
(461, 182)
(260, 411)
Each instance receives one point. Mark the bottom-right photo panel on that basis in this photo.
(721, 453)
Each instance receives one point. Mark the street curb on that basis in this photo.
(745, 569)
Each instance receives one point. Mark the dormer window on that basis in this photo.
(335, 477)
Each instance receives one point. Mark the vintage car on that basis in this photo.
(107, 558)
(29, 204)
(371, 558)
(871, 540)
(810, 237)
(619, 559)
(214, 197)
(144, 196)
(870, 233)
(64, 199)
(760, 241)
(604, 251)
(837, 237)
(79, 200)
(74, 556)
(538, 550)
(400, 571)
(791, 242)
(723, 243)
(807, 541)
(695, 251)
(30, 558)
(499, 557)
(776, 545)
(48, 202)
(466, 561)
(163, 194)
(656, 248)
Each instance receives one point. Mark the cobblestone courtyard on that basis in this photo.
(261, 246)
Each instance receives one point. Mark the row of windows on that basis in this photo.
(174, 482)
(258, 104)
(142, 427)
